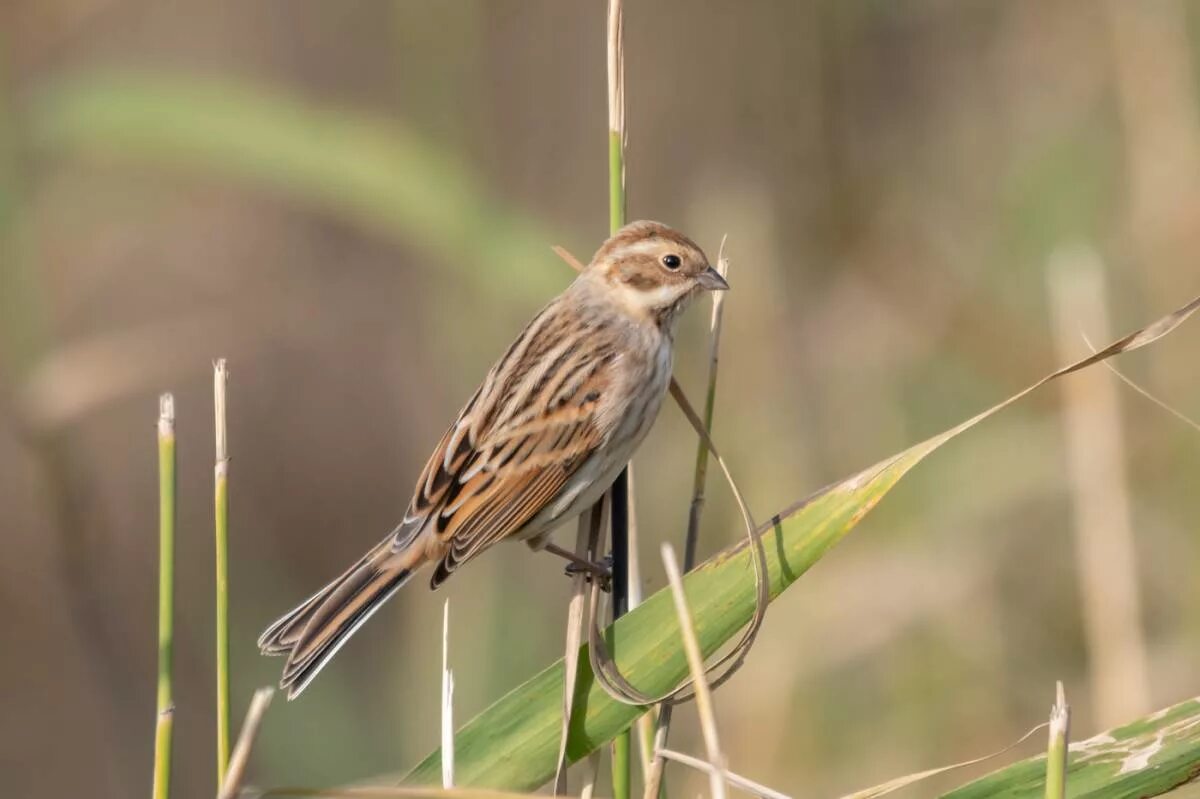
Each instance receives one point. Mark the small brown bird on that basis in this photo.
(555, 421)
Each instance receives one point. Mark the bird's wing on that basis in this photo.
(536, 419)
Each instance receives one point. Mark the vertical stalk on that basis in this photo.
(700, 475)
(221, 508)
(447, 703)
(620, 488)
(616, 178)
(587, 544)
(1056, 750)
(166, 595)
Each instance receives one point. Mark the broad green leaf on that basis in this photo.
(1148, 757)
(514, 743)
(370, 171)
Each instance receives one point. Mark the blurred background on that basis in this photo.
(354, 202)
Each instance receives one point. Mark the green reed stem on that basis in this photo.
(221, 509)
(620, 489)
(1056, 750)
(616, 181)
(166, 596)
(616, 220)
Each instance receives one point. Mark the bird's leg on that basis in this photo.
(601, 571)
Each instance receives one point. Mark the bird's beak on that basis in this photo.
(711, 279)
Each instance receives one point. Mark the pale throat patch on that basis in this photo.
(647, 301)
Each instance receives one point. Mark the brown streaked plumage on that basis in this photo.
(555, 420)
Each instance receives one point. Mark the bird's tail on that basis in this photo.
(312, 633)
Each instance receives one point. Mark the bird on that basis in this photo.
(554, 422)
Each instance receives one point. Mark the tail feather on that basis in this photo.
(312, 633)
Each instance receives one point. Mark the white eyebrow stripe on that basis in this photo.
(644, 247)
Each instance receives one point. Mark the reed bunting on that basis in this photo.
(555, 421)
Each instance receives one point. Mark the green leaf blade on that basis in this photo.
(513, 744)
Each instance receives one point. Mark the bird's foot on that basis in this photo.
(600, 572)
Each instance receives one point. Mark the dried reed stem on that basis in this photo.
(695, 659)
(588, 789)
(616, 114)
(236, 772)
(587, 544)
(646, 721)
(736, 780)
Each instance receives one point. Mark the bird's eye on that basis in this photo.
(671, 261)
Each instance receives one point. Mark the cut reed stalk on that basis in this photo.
(1056, 750)
(221, 511)
(164, 726)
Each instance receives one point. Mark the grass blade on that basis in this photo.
(909, 779)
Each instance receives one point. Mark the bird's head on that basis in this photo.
(653, 271)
